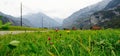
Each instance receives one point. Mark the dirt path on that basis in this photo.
(13, 32)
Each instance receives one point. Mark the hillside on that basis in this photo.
(77, 18)
(15, 21)
(40, 19)
(107, 18)
(112, 4)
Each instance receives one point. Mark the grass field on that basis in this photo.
(63, 43)
(16, 28)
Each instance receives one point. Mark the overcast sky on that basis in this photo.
(52, 8)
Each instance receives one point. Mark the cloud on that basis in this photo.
(53, 8)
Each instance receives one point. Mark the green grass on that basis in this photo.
(63, 43)
(15, 28)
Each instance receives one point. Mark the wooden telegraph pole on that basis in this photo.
(21, 14)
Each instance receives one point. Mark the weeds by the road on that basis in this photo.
(63, 43)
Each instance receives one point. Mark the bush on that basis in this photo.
(5, 26)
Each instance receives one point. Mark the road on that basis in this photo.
(13, 32)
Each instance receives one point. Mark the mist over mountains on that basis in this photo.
(59, 20)
(85, 17)
(105, 14)
(32, 20)
(14, 20)
(83, 14)
(39, 19)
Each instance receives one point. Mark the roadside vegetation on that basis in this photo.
(62, 43)
(8, 27)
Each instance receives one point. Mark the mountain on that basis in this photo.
(109, 18)
(81, 17)
(15, 21)
(112, 4)
(41, 20)
(59, 20)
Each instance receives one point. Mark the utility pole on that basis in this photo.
(21, 14)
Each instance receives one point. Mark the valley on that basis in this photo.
(91, 31)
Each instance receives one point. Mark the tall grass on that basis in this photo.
(63, 43)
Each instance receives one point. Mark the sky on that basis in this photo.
(53, 8)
